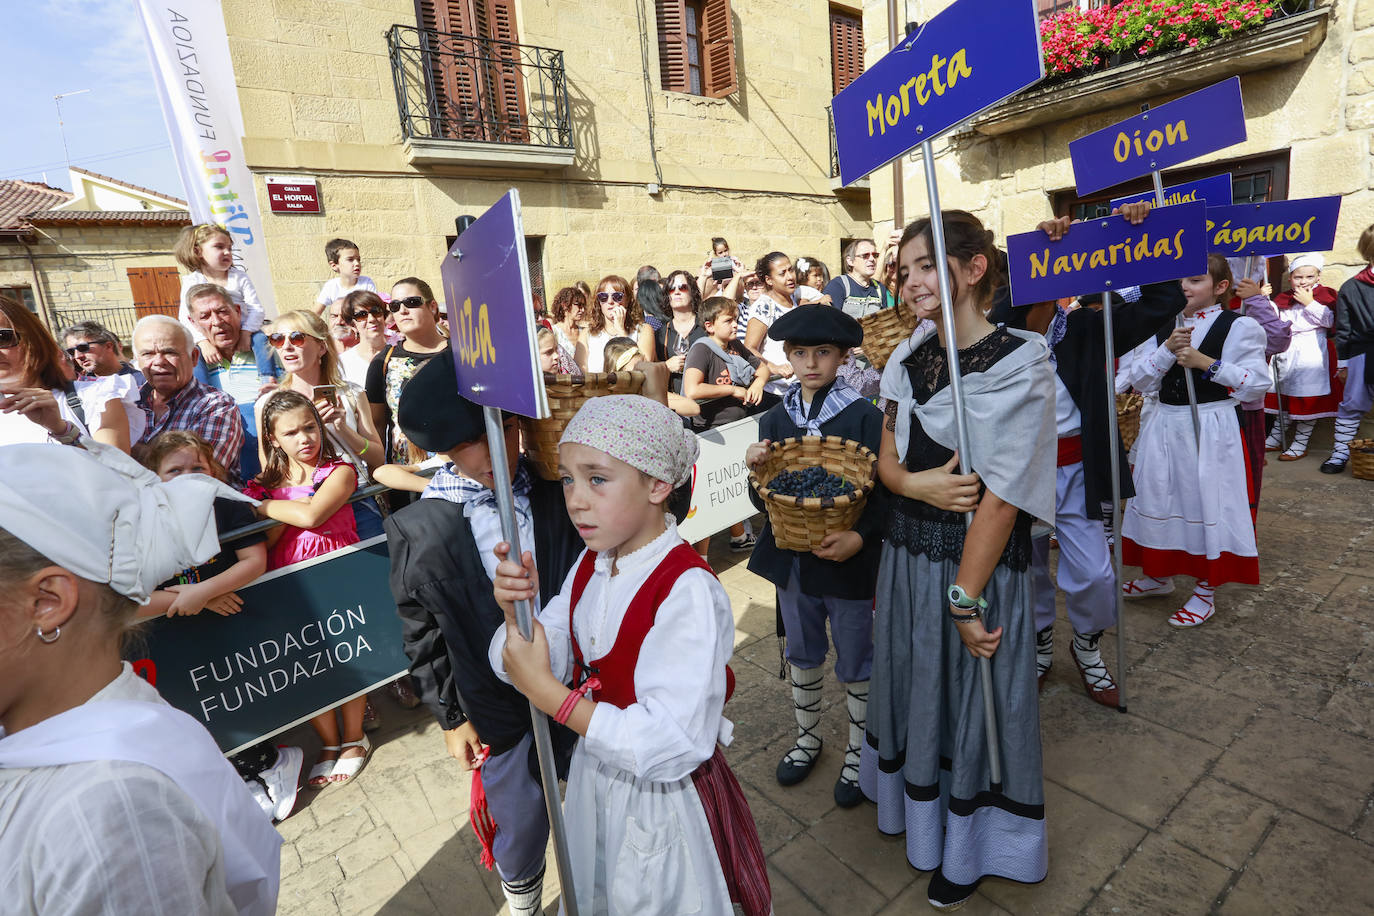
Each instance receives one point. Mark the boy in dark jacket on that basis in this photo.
(1354, 345)
(835, 581)
(441, 564)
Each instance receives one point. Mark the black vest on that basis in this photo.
(1174, 390)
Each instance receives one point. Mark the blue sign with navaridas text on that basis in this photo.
(1194, 125)
(952, 68)
(1274, 228)
(1108, 254)
(1214, 192)
(486, 282)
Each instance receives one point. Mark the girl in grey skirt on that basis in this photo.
(925, 760)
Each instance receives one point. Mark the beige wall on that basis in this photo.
(1321, 109)
(84, 267)
(316, 91)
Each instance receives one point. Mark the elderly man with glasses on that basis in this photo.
(96, 351)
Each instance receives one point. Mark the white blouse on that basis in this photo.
(1243, 368)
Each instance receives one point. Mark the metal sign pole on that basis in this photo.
(548, 771)
(1113, 439)
(1178, 323)
(956, 388)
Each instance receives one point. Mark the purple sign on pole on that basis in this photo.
(1194, 125)
(1108, 254)
(1214, 191)
(491, 322)
(1274, 228)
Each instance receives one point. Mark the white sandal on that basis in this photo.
(345, 768)
(324, 769)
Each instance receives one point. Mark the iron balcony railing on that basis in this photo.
(461, 87)
(834, 148)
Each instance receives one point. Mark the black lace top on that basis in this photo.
(918, 526)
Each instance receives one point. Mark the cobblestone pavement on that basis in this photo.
(1239, 782)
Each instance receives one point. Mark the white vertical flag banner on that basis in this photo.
(195, 86)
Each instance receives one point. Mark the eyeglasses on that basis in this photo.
(616, 296)
(868, 254)
(279, 339)
(82, 348)
(377, 311)
(9, 337)
(680, 288)
(409, 302)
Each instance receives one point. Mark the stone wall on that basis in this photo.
(1320, 110)
(84, 267)
(316, 91)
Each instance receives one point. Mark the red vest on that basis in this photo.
(616, 669)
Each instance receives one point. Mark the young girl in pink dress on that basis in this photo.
(306, 486)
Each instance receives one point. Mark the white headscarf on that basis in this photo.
(1306, 259)
(105, 517)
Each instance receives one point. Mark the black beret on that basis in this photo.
(432, 414)
(813, 325)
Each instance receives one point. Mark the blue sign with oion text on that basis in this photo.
(1194, 125)
(1214, 192)
(1274, 228)
(490, 316)
(1108, 254)
(952, 68)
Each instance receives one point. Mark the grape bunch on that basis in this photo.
(810, 482)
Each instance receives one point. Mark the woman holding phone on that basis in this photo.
(303, 344)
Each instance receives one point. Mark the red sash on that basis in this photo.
(1070, 450)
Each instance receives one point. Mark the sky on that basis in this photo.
(56, 46)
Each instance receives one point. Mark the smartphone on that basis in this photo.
(328, 393)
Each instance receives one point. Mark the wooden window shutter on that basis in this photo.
(156, 290)
(455, 100)
(718, 76)
(846, 48)
(504, 81)
(672, 45)
(168, 283)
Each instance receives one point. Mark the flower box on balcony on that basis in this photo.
(1281, 41)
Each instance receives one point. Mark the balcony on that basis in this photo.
(858, 188)
(1299, 29)
(469, 102)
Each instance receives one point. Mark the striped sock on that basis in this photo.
(856, 701)
(806, 701)
(524, 896)
(1346, 427)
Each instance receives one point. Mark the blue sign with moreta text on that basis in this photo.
(1274, 228)
(491, 320)
(1214, 192)
(952, 68)
(1194, 125)
(1108, 254)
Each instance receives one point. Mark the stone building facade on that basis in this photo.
(1307, 79)
(407, 128)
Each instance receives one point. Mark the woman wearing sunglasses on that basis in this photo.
(569, 317)
(675, 338)
(614, 314)
(417, 319)
(365, 311)
(303, 345)
(38, 400)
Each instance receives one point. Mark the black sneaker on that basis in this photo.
(945, 895)
(744, 542)
(1333, 466)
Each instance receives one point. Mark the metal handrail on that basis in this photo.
(468, 88)
(238, 534)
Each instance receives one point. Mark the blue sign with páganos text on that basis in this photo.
(952, 68)
(1274, 228)
(1108, 254)
(1194, 125)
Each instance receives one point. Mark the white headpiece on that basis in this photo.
(106, 518)
(1306, 259)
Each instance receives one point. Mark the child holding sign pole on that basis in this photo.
(834, 582)
(1306, 370)
(1191, 511)
(947, 600)
(642, 630)
(441, 567)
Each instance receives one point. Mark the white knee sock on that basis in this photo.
(806, 703)
(1089, 655)
(1202, 601)
(1345, 431)
(1044, 649)
(525, 896)
(856, 701)
(1302, 432)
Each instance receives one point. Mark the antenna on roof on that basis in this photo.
(57, 100)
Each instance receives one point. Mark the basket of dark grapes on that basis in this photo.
(812, 487)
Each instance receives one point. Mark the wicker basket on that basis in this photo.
(567, 394)
(1128, 417)
(1362, 459)
(883, 330)
(801, 524)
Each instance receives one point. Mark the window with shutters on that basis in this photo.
(696, 47)
(20, 294)
(846, 48)
(474, 67)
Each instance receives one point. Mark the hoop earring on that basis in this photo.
(49, 638)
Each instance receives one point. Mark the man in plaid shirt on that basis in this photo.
(173, 399)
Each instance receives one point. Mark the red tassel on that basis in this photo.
(479, 815)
